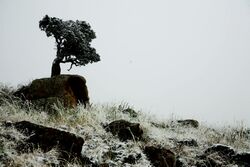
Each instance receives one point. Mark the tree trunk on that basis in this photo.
(56, 70)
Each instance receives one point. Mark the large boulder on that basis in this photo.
(66, 89)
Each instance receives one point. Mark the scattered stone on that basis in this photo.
(159, 125)
(188, 142)
(125, 130)
(65, 89)
(213, 159)
(222, 155)
(160, 157)
(219, 155)
(46, 138)
(131, 112)
(189, 123)
(223, 150)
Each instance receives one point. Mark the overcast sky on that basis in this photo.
(189, 58)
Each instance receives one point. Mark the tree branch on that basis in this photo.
(70, 67)
(73, 61)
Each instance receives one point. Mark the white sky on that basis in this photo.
(190, 58)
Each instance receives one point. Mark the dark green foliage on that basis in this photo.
(72, 40)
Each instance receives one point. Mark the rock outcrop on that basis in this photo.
(160, 157)
(66, 89)
(125, 130)
(188, 142)
(189, 123)
(223, 155)
(47, 138)
(131, 112)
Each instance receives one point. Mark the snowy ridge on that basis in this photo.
(102, 147)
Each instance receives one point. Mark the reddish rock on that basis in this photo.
(67, 89)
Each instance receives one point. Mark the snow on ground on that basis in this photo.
(101, 146)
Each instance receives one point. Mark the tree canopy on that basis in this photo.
(72, 40)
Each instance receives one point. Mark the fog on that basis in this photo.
(182, 59)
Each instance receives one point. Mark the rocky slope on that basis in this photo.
(112, 135)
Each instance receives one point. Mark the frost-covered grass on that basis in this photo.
(100, 146)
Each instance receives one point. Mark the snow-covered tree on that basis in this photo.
(72, 41)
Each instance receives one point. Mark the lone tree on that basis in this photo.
(72, 41)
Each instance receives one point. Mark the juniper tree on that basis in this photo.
(72, 42)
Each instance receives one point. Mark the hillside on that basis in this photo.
(192, 143)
